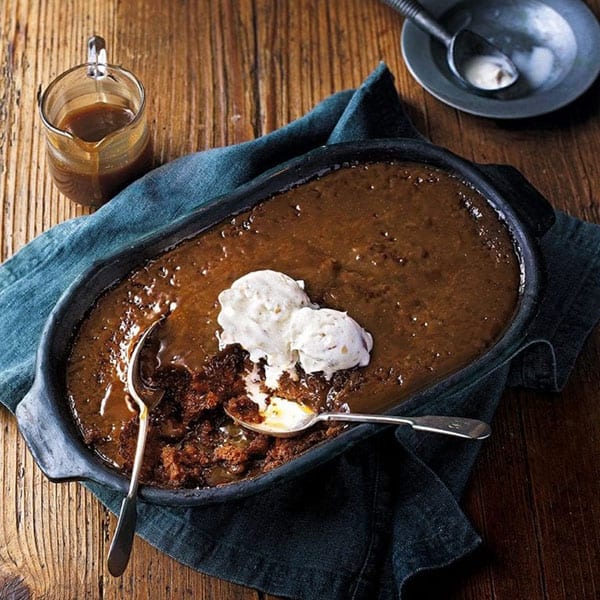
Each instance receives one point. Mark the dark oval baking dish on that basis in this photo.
(44, 416)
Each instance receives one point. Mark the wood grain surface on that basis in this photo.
(221, 72)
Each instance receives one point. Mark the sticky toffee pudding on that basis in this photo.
(416, 256)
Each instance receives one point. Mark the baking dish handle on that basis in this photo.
(40, 426)
(532, 208)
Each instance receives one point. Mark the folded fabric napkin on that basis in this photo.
(361, 525)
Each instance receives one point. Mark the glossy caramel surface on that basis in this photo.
(414, 255)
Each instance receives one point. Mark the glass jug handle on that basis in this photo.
(97, 59)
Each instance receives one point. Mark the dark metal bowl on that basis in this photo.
(44, 416)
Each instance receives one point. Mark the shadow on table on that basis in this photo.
(446, 584)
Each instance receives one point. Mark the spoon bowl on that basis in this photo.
(480, 64)
(276, 424)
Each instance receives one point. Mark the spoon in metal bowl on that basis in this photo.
(146, 399)
(300, 418)
(476, 62)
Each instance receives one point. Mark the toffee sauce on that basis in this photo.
(101, 177)
(417, 257)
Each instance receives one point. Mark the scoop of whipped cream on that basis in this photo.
(255, 313)
(328, 340)
(270, 315)
(487, 72)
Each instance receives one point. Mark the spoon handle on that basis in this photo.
(457, 426)
(473, 429)
(120, 547)
(421, 17)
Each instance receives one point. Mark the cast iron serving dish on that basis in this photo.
(44, 415)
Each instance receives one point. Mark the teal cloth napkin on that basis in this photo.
(361, 525)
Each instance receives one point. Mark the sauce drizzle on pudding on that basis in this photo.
(415, 255)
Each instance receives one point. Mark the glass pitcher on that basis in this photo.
(96, 132)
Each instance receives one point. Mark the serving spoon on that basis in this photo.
(306, 418)
(476, 62)
(146, 398)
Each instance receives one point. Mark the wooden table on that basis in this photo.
(224, 71)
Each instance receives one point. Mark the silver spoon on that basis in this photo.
(462, 427)
(146, 399)
(477, 63)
